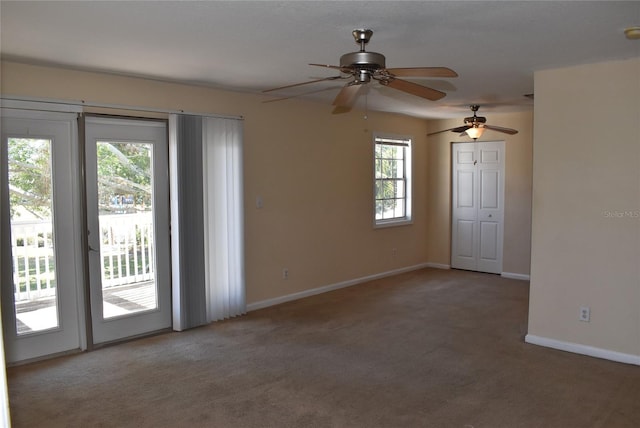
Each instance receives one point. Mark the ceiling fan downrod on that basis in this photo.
(362, 37)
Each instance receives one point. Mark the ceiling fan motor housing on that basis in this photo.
(475, 119)
(371, 61)
(363, 60)
(363, 64)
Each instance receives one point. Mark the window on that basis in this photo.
(392, 180)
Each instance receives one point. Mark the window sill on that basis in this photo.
(381, 224)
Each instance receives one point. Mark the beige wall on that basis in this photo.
(518, 167)
(586, 206)
(312, 169)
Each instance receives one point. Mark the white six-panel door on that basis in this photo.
(477, 206)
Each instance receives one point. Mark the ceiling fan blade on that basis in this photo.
(303, 83)
(414, 89)
(456, 129)
(462, 128)
(315, 91)
(501, 129)
(340, 110)
(422, 72)
(347, 95)
(440, 132)
(348, 70)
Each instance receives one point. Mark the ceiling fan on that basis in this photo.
(361, 67)
(475, 126)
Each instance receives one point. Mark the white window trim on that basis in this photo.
(408, 218)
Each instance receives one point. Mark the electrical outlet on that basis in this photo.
(585, 313)
(285, 273)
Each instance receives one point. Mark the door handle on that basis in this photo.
(490, 215)
(90, 247)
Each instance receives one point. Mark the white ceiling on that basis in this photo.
(494, 46)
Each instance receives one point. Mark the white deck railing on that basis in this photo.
(126, 253)
(33, 259)
(126, 248)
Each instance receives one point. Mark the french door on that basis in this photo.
(44, 265)
(127, 182)
(41, 252)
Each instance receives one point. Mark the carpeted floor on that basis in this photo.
(430, 348)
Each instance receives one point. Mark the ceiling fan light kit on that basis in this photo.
(362, 67)
(475, 132)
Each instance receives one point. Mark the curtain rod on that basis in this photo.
(83, 103)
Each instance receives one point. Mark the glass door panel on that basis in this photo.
(32, 240)
(127, 208)
(125, 203)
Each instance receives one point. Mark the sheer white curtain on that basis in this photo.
(207, 219)
(223, 218)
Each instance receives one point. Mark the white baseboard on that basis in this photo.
(437, 265)
(520, 276)
(576, 348)
(319, 290)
